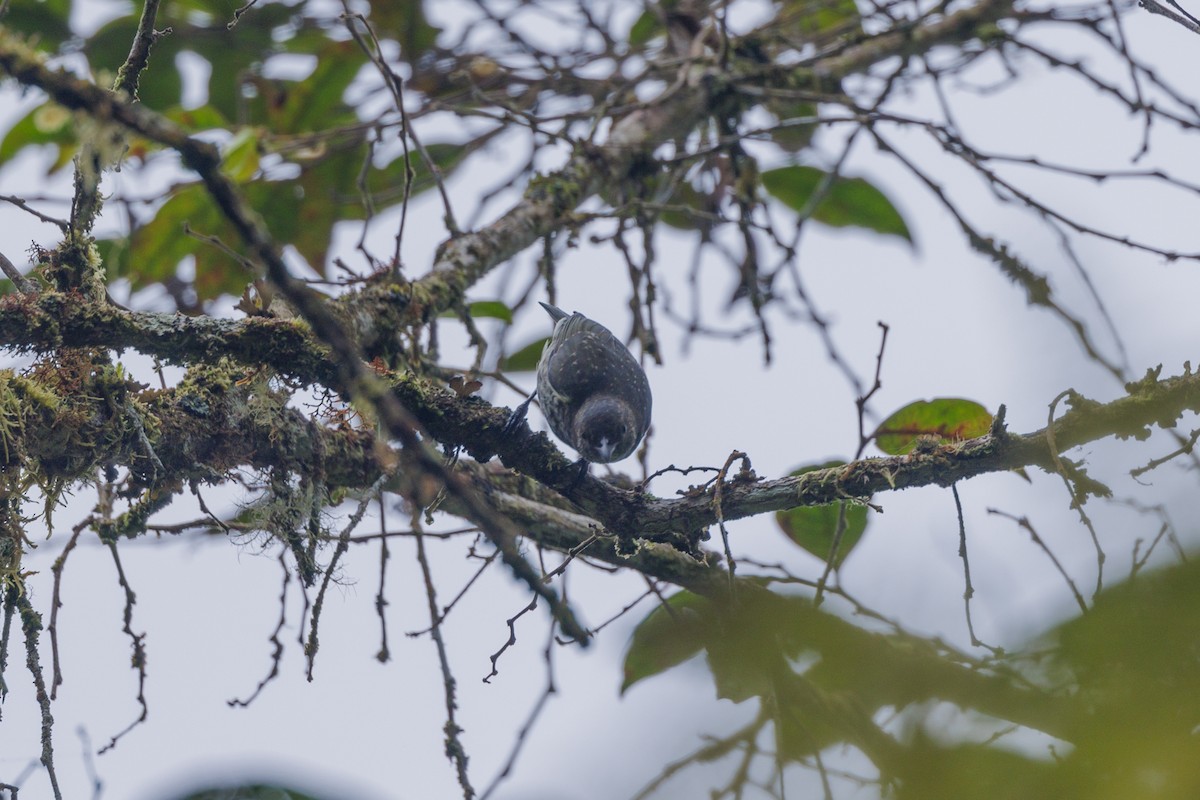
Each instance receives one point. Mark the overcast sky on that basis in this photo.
(369, 730)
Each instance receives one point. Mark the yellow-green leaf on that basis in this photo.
(789, 134)
(49, 123)
(848, 201)
(814, 527)
(492, 309)
(526, 359)
(645, 28)
(950, 419)
(241, 155)
(667, 636)
(809, 17)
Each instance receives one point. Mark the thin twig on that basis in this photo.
(276, 643)
(512, 639)
(23, 284)
(139, 52)
(718, 492)
(539, 706)
(10, 608)
(31, 623)
(454, 747)
(61, 224)
(343, 543)
(1188, 445)
(968, 588)
(384, 654)
(1024, 523)
(138, 640)
(56, 603)
(89, 763)
(1139, 562)
(487, 562)
(1187, 20)
(1077, 497)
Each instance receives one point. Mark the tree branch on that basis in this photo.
(50, 320)
(352, 377)
(909, 668)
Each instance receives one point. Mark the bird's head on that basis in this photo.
(606, 429)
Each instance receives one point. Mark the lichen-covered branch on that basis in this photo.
(913, 669)
(227, 435)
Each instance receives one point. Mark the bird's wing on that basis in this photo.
(579, 324)
(585, 357)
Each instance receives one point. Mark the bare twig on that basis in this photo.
(138, 640)
(56, 603)
(276, 644)
(535, 712)
(343, 543)
(23, 284)
(61, 224)
(454, 746)
(1078, 498)
(31, 624)
(1185, 19)
(139, 51)
(381, 602)
(1027, 526)
(512, 639)
(968, 587)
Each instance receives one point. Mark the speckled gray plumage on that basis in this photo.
(591, 388)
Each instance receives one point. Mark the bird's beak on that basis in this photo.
(606, 448)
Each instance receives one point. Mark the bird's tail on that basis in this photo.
(555, 312)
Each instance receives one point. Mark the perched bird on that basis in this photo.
(593, 392)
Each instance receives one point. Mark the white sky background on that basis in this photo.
(958, 328)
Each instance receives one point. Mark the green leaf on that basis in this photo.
(1135, 654)
(199, 28)
(795, 136)
(806, 18)
(849, 201)
(526, 359)
(203, 118)
(814, 527)
(491, 308)
(156, 248)
(1132, 660)
(49, 123)
(644, 29)
(406, 23)
(240, 157)
(666, 637)
(750, 639)
(313, 103)
(741, 667)
(301, 212)
(446, 156)
(258, 36)
(948, 418)
(114, 255)
(159, 84)
(47, 20)
(688, 209)
(983, 772)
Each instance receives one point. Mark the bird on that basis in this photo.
(593, 392)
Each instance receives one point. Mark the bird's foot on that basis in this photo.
(582, 466)
(517, 416)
